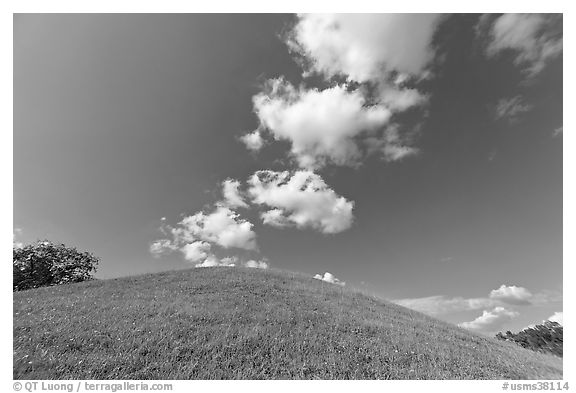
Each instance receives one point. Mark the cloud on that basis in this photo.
(329, 277)
(534, 39)
(511, 295)
(232, 196)
(256, 264)
(557, 132)
(302, 199)
(222, 227)
(17, 232)
(321, 126)
(196, 251)
(511, 108)
(253, 140)
(212, 261)
(390, 146)
(161, 247)
(438, 305)
(490, 321)
(558, 316)
(364, 46)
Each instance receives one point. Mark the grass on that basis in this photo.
(235, 323)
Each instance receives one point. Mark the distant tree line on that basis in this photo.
(45, 264)
(546, 337)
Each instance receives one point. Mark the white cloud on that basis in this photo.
(364, 46)
(17, 232)
(534, 38)
(212, 261)
(329, 277)
(302, 199)
(490, 321)
(232, 196)
(256, 264)
(275, 218)
(438, 305)
(253, 140)
(558, 316)
(196, 251)
(390, 146)
(558, 131)
(511, 108)
(222, 227)
(322, 126)
(162, 246)
(511, 295)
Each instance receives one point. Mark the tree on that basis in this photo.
(547, 337)
(45, 263)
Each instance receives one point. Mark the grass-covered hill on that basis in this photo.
(223, 323)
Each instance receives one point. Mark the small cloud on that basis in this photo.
(511, 108)
(196, 251)
(558, 316)
(511, 295)
(557, 132)
(490, 321)
(363, 47)
(253, 141)
(533, 39)
(447, 259)
(275, 218)
(231, 192)
(161, 247)
(438, 305)
(256, 264)
(302, 199)
(212, 261)
(17, 232)
(329, 277)
(223, 227)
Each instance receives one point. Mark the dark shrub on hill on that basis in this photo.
(543, 338)
(46, 263)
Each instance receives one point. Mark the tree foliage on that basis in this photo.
(45, 263)
(546, 337)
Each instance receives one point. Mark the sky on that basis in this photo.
(415, 157)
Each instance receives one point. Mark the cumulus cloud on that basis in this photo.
(535, 39)
(511, 108)
(301, 199)
(511, 295)
(232, 196)
(161, 247)
(256, 264)
(329, 277)
(364, 46)
(438, 305)
(253, 140)
(197, 235)
(196, 251)
(321, 125)
(275, 218)
(212, 261)
(223, 227)
(505, 295)
(558, 316)
(490, 321)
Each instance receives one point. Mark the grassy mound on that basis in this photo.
(225, 323)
